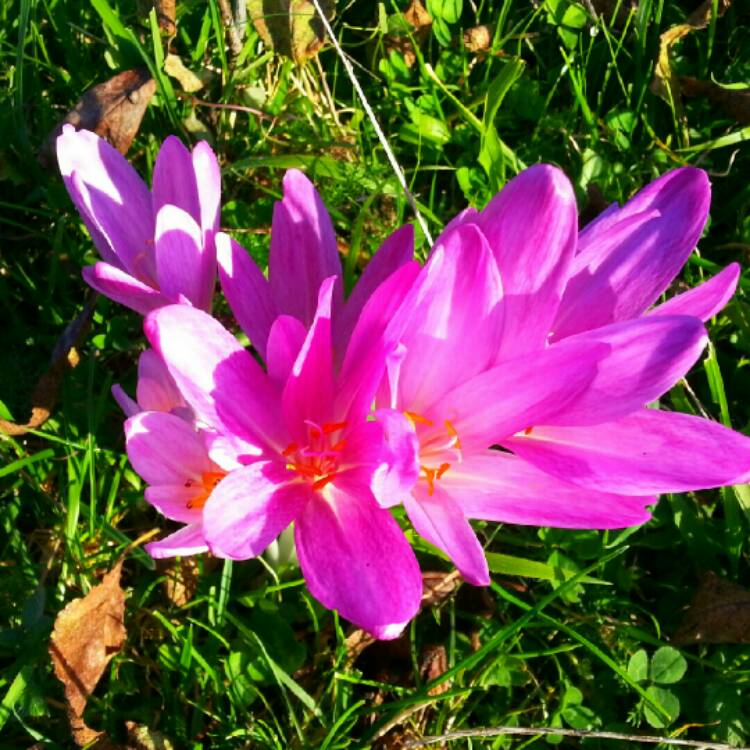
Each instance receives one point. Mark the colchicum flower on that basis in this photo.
(157, 246)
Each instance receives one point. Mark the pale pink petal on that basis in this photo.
(303, 248)
(208, 178)
(356, 559)
(123, 288)
(284, 345)
(129, 407)
(156, 389)
(247, 291)
(174, 179)
(175, 502)
(396, 250)
(396, 476)
(531, 226)
(648, 452)
(647, 357)
(705, 300)
(628, 259)
(437, 518)
(498, 486)
(250, 507)
(183, 265)
(187, 541)
(165, 449)
(224, 385)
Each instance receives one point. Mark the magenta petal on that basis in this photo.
(397, 250)
(628, 259)
(497, 486)
(208, 178)
(437, 518)
(174, 179)
(250, 507)
(649, 452)
(356, 559)
(121, 287)
(187, 541)
(284, 345)
(183, 265)
(705, 300)
(648, 356)
(174, 502)
(247, 291)
(303, 248)
(395, 478)
(156, 389)
(531, 225)
(224, 385)
(165, 449)
(129, 407)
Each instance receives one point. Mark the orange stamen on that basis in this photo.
(415, 418)
(329, 427)
(442, 469)
(528, 431)
(209, 480)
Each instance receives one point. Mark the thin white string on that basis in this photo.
(371, 116)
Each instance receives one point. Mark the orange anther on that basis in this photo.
(323, 481)
(330, 427)
(339, 446)
(443, 468)
(291, 448)
(528, 431)
(415, 418)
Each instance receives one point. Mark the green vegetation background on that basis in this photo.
(251, 660)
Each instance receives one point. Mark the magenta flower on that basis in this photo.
(476, 370)
(157, 246)
(290, 445)
(303, 253)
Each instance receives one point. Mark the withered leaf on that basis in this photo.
(113, 110)
(419, 22)
(166, 12)
(181, 578)
(479, 38)
(433, 663)
(87, 634)
(735, 103)
(719, 613)
(290, 27)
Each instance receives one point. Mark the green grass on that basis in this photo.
(252, 660)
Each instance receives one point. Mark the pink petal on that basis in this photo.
(129, 407)
(356, 559)
(174, 501)
(284, 345)
(303, 248)
(397, 250)
(250, 507)
(224, 385)
(647, 357)
(174, 179)
(247, 291)
(395, 478)
(705, 300)
(497, 486)
(165, 449)
(208, 178)
(187, 541)
(121, 287)
(531, 225)
(183, 265)
(437, 518)
(458, 319)
(629, 258)
(156, 389)
(648, 452)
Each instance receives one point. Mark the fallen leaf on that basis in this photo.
(433, 663)
(418, 29)
(166, 12)
(182, 577)
(113, 110)
(735, 102)
(719, 613)
(290, 27)
(479, 38)
(438, 586)
(189, 81)
(87, 634)
(64, 356)
(143, 738)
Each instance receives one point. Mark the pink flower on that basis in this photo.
(157, 246)
(476, 370)
(303, 253)
(290, 445)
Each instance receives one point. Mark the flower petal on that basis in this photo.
(156, 389)
(165, 449)
(187, 541)
(284, 345)
(129, 407)
(437, 518)
(303, 248)
(705, 300)
(649, 452)
(247, 291)
(174, 178)
(208, 177)
(628, 259)
(224, 385)
(250, 507)
(174, 502)
(123, 288)
(395, 478)
(183, 265)
(531, 225)
(498, 486)
(356, 559)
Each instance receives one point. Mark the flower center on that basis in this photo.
(318, 460)
(439, 448)
(203, 487)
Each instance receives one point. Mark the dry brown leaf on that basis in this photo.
(736, 103)
(64, 356)
(719, 613)
(189, 81)
(665, 83)
(433, 663)
(87, 634)
(419, 19)
(479, 38)
(438, 586)
(182, 577)
(113, 110)
(166, 12)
